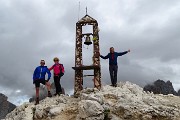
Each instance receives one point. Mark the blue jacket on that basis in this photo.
(40, 72)
(116, 54)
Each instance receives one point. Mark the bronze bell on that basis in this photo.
(88, 40)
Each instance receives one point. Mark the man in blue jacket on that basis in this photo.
(113, 66)
(39, 77)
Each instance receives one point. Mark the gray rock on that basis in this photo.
(5, 106)
(128, 101)
(89, 109)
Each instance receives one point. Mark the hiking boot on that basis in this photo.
(56, 94)
(49, 94)
(37, 101)
(59, 93)
(115, 85)
(112, 85)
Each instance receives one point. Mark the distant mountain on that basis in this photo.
(5, 106)
(161, 87)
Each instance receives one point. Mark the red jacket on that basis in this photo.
(58, 69)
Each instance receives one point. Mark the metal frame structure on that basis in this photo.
(79, 67)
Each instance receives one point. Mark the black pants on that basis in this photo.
(113, 69)
(57, 84)
(37, 82)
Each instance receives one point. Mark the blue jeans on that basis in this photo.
(113, 69)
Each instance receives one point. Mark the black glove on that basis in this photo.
(61, 74)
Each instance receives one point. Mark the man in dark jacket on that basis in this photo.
(39, 77)
(113, 66)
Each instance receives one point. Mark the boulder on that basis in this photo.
(90, 110)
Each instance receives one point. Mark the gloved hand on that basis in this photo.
(61, 74)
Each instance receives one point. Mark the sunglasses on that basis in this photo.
(56, 60)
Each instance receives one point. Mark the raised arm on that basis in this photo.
(105, 57)
(123, 53)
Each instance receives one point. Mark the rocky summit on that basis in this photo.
(127, 101)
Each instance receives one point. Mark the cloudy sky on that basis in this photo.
(31, 30)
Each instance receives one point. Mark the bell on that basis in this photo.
(88, 40)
